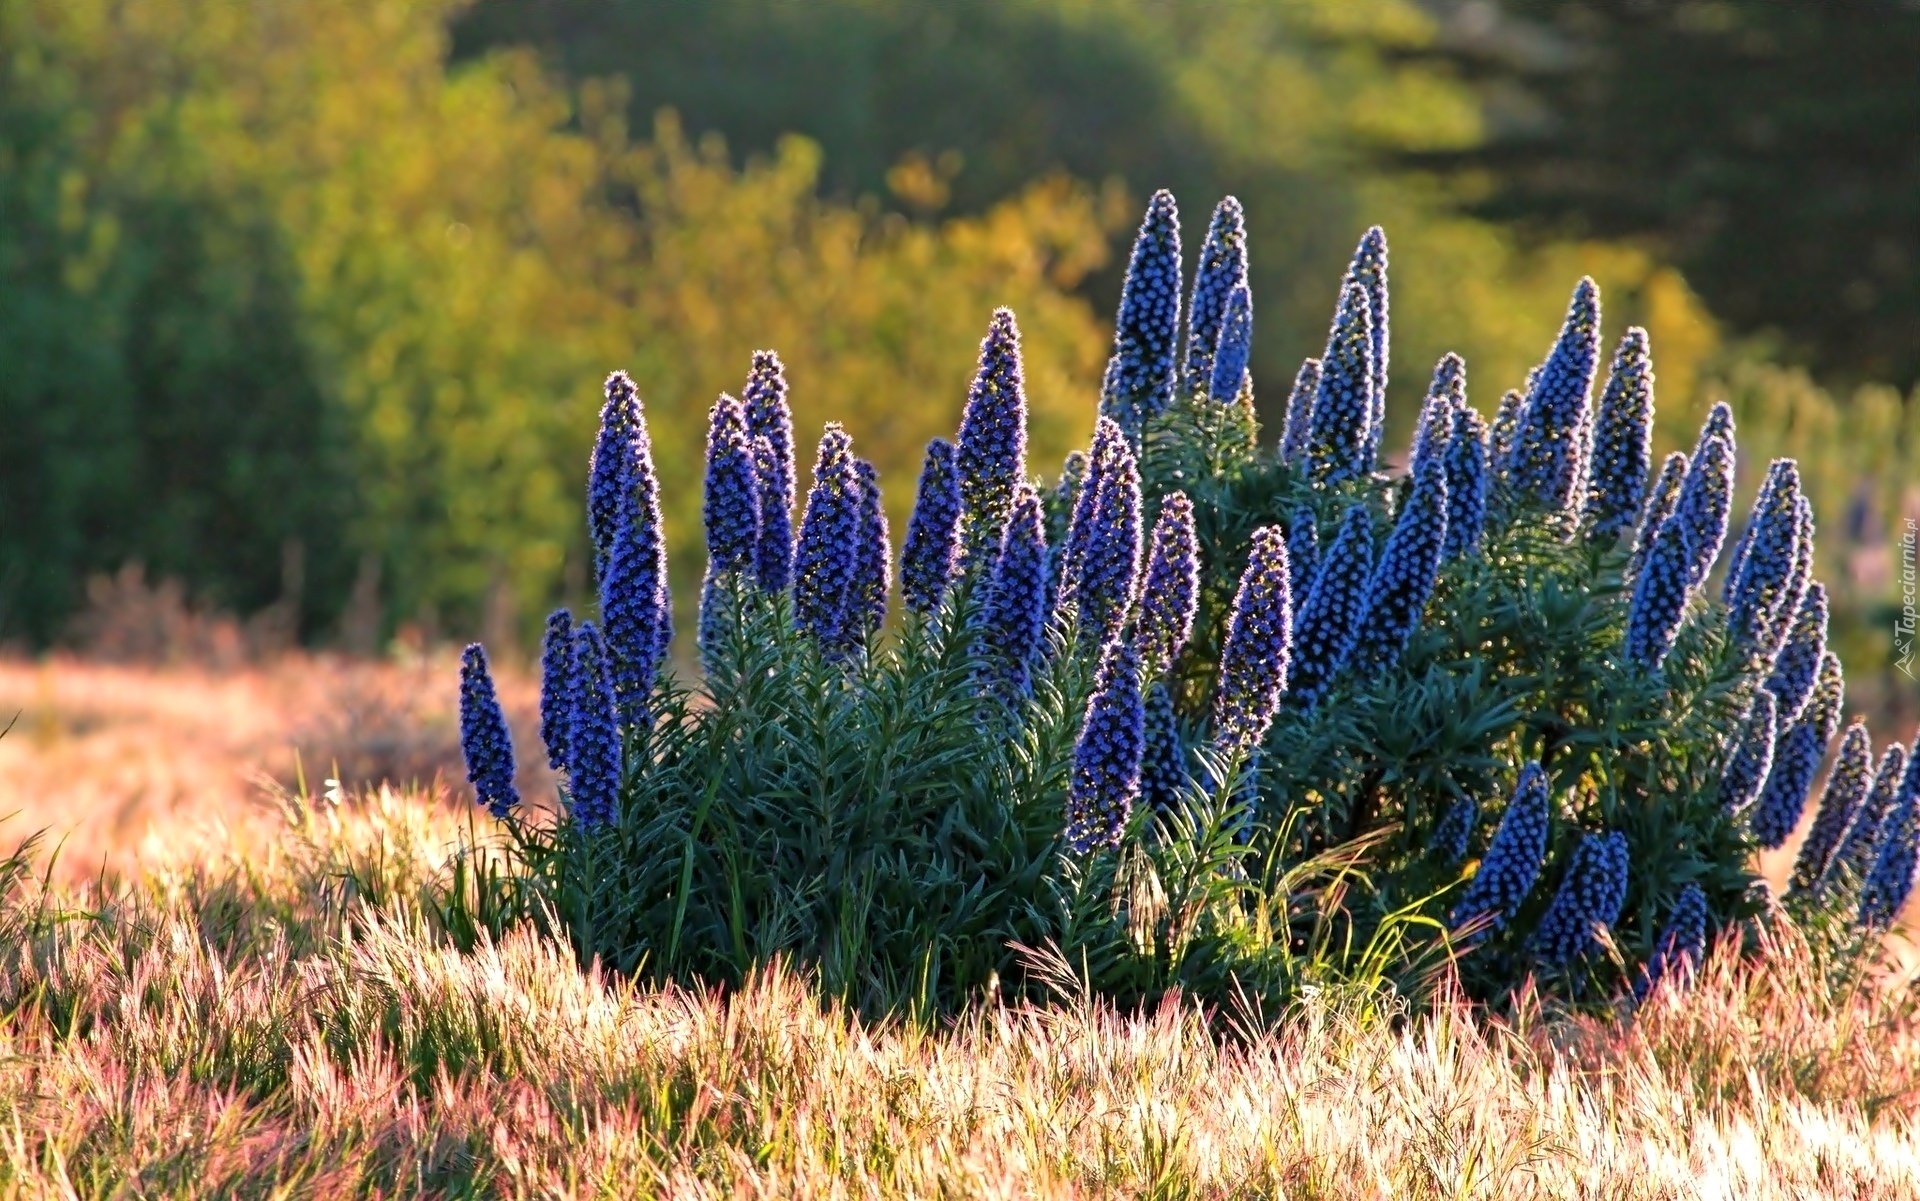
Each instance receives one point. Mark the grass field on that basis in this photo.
(248, 999)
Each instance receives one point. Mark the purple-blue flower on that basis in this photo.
(1329, 617)
(1706, 497)
(1258, 647)
(992, 456)
(1409, 565)
(1108, 444)
(1303, 552)
(635, 606)
(1140, 376)
(1659, 506)
(1368, 271)
(1546, 465)
(1861, 843)
(1505, 430)
(556, 683)
(593, 735)
(1454, 830)
(827, 557)
(1446, 395)
(1659, 597)
(1340, 429)
(1235, 348)
(770, 422)
(1468, 483)
(1796, 760)
(1622, 439)
(1682, 943)
(1840, 802)
(610, 472)
(1889, 882)
(1798, 667)
(1163, 767)
(731, 511)
(929, 560)
(1106, 576)
(1013, 617)
(1752, 758)
(1171, 588)
(1105, 782)
(873, 567)
(1297, 432)
(1512, 862)
(1222, 268)
(1757, 595)
(1587, 902)
(484, 739)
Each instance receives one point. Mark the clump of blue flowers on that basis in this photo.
(770, 424)
(1513, 858)
(484, 739)
(1545, 463)
(1258, 647)
(930, 557)
(1222, 269)
(1013, 619)
(1329, 619)
(1588, 901)
(1106, 758)
(1622, 439)
(1682, 943)
(827, 557)
(992, 458)
(1140, 377)
(1171, 587)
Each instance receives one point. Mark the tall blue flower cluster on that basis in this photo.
(1446, 395)
(1296, 435)
(732, 508)
(1368, 271)
(1796, 759)
(770, 422)
(1105, 782)
(1840, 802)
(593, 734)
(1752, 757)
(484, 739)
(1468, 483)
(556, 684)
(1409, 565)
(636, 607)
(1340, 429)
(1236, 347)
(928, 560)
(1682, 943)
(873, 572)
(1221, 269)
(1014, 615)
(1798, 668)
(1258, 647)
(1171, 587)
(1706, 498)
(1060, 516)
(1861, 843)
(1622, 439)
(1329, 617)
(1546, 465)
(1759, 591)
(1512, 862)
(1505, 430)
(1303, 551)
(992, 458)
(1140, 376)
(827, 557)
(1163, 767)
(1659, 506)
(1454, 830)
(1110, 566)
(1889, 882)
(1588, 900)
(1109, 443)
(1659, 597)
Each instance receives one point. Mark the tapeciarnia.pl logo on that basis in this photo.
(1904, 621)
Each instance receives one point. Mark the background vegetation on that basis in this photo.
(309, 304)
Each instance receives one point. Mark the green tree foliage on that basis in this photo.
(1771, 150)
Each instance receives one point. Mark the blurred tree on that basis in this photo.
(1771, 150)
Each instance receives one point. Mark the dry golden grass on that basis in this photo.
(245, 1005)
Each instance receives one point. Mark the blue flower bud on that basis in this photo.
(1546, 465)
(1163, 768)
(1446, 395)
(484, 739)
(1512, 862)
(1796, 760)
(1840, 803)
(992, 457)
(1368, 271)
(1105, 782)
(1171, 589)
(1757, 596)
(1236, 347)
(1706, 497)
(1108, 444)
(732, 509)
(1622, 439)
(1682, 943)
(873, 567)
(593, 735)
(1659, 507)
(1468, 484)
(827, 556)
(635, 606)
(1454, 830)
(1409, 565)
(1222, 268)
(1752, 758)
(1889, 881)
(770, 422)
(556, 683)
(1860, 846)
(1013, 617)
(1329, 618)
(1104, 585)
(929, 560)
(1258, 647)
(1340, 432)
(1798, 667)
(1587, 902)
(1659, 598)
(1140, 376)
(1297, 433)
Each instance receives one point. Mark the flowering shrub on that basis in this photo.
(1326, 724)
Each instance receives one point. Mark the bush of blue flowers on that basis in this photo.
(1208, 710)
